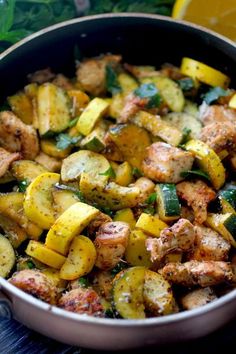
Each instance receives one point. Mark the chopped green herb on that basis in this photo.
(150, 92)
(112, 83)
(30, 265)
(214, 94)
(151, 199)
(195, 173)
(136, 172)
(83, 282)
(48, 135)
(65, 140)
(110, 173)
(186, 135)
(73, 122)
(119, 267)
(150, 209)
(186, 84)
(22, 185)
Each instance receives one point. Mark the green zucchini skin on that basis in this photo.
(230, 225)
(230, 196)
(169, 200)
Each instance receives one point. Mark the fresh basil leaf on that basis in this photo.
(195, 173)
(186, 83)
(150, 92)
(151, 199)
(136, 172)
(214, 94)
(22, 185)
(64, 141)
(110, 173)
(112, 83)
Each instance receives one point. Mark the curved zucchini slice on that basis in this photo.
(225, 224)
(157, 293)
(43, 254)
(228, 201)
(168, 202)
(26, 170)
(86, 161)
(7, 256)
(128, 293)
(68, 225)
(208, 161)
(38, 203)
(80, 260)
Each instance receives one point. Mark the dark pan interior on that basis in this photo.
(140, 39)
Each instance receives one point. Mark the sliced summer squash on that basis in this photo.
(86, 161)
(63, 199)
(7, 256)
(53, 109)
(136, 253)
(128, 293)
(22, 106)
(96, 109)
(26, 170)
(151, 225)
(124, 174)
(184, 121)
(38, 203)
(168, 205)
(13, 231)
(68, 225)
(126, 215)
(225, 224)
(45, 255)
(127, 83)
(80, 260)
(208, 161)
(49, 147)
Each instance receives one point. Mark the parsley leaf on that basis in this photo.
(22, 185)
(186, 83)
(119, 267)
(214, 94)
(30, 265)
(73, 122)
(150, 92)
(151, 199)
(112, 83)
(83, 282)
(195, 173)
(150, 209)
(109, 172)
(64, 141)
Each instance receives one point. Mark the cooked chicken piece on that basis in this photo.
(217, 113)
(91, 73)
(104, 281)
(35, 283)
(41, 76)
(94, 225)
(179, 237)
(62, 81)
(198, 298)
(197, 194)
(6, 158)
(206, 273)
(133, 104)
(140, 71)
(172, 72)
(15, 136)
(209, 245)
(164, 163)
(50, 163)
(110, 242)
(83, 301)
(187, 213)
(233, 161)
(220, 136)
(146, 187)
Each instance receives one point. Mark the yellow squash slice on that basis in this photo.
(136, 253)
(151, 225)
(38, 203)
(80, 260)
(68, 225)
(7, 257)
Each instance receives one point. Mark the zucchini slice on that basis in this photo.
(53, 109)
(225, 224)
(7, 256)
(168, 202)
(183, 121)
(228, 201)
(22, 106)
(128, 293)
(26, 170)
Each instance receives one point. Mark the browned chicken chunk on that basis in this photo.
(15, 136)
(83, 301)
(206, 273)
(165, 163)
(132, 105)
(220, 136)
(179, 237)
(49, 162)
(146, 187)
(198, 298)
(91, 73)
(198, 195)
(111, 242)
(35, 283)
(94, 225)
(209, 245)
(217, 113)
(62, 81)
(6, 158)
